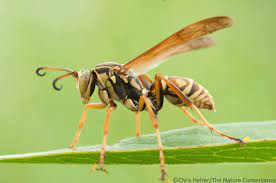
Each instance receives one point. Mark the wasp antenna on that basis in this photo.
(54, 69)
(55, 85)
(62, 77)
(38, 71)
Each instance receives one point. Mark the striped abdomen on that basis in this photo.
(199, 95)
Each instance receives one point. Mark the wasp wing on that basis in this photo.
(187, 39)
(143, 66)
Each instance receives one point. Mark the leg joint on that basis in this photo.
(155, 125)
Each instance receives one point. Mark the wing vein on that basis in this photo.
(187, 39)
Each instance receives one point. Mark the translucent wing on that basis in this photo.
(187, 39)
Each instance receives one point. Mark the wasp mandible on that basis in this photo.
(129, 84)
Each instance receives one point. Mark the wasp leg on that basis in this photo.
(189, 103)
(83, 120)
(158, 77)
(191, 117)
(145, 80)
(106, 128)
(138, 130)
(212, 128)
(144, 100)
(159, 98)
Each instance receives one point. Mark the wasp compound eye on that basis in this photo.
(85, 77)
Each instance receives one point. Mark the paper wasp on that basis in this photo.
(129, 84)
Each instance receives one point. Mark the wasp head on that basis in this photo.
(86, 84)
(85, 80)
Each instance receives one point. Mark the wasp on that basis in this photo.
(130, 85)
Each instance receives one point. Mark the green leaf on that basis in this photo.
(189, 145)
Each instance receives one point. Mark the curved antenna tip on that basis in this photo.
(38, 71)
(55, 86)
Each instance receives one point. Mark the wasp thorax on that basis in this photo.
(85, 84)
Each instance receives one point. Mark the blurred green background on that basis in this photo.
(239, 72)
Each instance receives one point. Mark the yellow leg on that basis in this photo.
(153, 118)
(83, 120)
(138, 130)
(212, 128)
(145, 80)
(106, 128)
(190, 104)
(191, 117)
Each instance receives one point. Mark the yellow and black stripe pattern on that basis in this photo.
(196, 92)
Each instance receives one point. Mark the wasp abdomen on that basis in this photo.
(196, 92)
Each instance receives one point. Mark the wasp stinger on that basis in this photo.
(129, 84)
